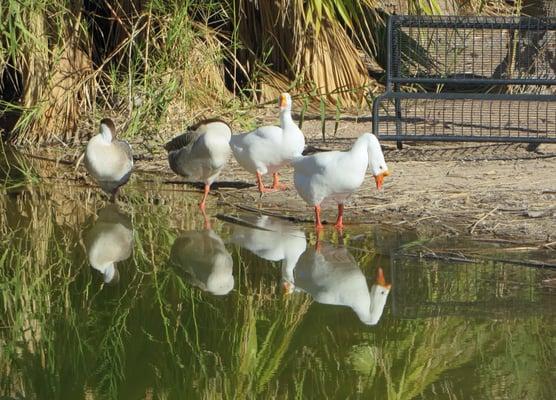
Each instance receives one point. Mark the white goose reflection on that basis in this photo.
(331, 276)
(109, 241)
(205, 260)
(277, 240)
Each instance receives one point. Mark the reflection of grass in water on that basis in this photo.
(404, 359)
(15, 170)
(427, 350)
(238, 342)
(414, 359)
(35, 275)
(524, 363)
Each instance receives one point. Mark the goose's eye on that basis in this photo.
(381, 167)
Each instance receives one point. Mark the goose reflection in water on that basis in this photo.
(109, 241)
(275, 240)
(205, 261)
(331, 275)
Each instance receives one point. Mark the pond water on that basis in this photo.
(144, 301)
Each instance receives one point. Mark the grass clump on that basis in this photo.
(160, 64)
(64, 63)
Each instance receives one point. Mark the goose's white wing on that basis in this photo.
(259, 150)
(327, 174)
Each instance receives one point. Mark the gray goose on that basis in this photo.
(109, 160)
(201, 152)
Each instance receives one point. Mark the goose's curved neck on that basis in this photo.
(287, 270)
(106, 133)
(361, 145)
(286, 120)
(107, 269)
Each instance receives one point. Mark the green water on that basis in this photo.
(141, 301)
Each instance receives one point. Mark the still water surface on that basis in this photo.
(143, 301)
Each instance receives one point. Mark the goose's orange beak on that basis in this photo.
(282, 102)
(380, 279)
(287, 288)
(379, 179)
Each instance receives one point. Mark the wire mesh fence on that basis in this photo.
(469, 79)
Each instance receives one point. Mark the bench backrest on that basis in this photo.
(471, 50)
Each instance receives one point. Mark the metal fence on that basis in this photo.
(469, 79)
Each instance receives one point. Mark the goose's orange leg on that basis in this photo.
(317, 244)
(260, 184)
(114, 195)
(276, 182)
(203, 203)
(340, 220)
(207, 221)
(318, 223)
(203, 206)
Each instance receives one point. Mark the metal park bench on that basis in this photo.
(487, 79)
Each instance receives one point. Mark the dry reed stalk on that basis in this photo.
(334, 66)
(54, 66)
(309, 49)
(485, 7)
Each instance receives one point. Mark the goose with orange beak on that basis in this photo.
(338, 174)
(269, 148)
(378, 294)
(330, 275)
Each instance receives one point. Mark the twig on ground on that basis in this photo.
(78, 162)
(273, 214)
(54, 160)
(463, 258)
(482, 219)
(239, 221)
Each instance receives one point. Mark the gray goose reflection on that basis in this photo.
(205, 261)
(331, 275)
(277, 240)
(109, 241)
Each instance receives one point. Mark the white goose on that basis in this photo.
(278, 240)
(331, 276)
(203, 257)
(201, 152)
(337, 174)
(109, 160)
(268, 148)
(109, 241)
